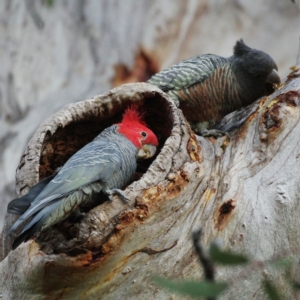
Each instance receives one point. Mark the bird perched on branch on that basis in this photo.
(104, 165)
(208, 87)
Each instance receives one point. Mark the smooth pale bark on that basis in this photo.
(243, 190)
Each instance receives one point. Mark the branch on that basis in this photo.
(235, 189)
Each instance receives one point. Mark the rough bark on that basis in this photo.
(73, 50)
(243, 189)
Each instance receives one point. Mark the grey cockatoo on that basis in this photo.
(208, 87)
(106, 164)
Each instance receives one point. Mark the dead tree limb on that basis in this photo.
(243, 189)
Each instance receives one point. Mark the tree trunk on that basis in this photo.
(243, 190)
(55, 55)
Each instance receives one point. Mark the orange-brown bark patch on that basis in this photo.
(126, 218)
(175, 187)
(208, 194)
(194, 149)
(224, 213)
(143, 68)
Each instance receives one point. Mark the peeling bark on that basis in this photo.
(91, 46)
(243, 189)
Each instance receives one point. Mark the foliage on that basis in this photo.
(193, 288)
(271, 291)
(49, 3)
(212, 289)
(226, 257)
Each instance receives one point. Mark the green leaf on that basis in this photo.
(226, 257)
(283, 263)
(271, 291)
(295, 285)
(292, 282)
(194, 289)
(49, 3)
(289, 278)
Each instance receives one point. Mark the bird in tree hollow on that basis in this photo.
(208, 87)
(104, 165)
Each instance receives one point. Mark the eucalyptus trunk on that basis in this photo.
(242, 188)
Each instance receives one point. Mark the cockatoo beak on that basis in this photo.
(274, 78)
(146, 152)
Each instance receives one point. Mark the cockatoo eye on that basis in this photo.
(143, 133)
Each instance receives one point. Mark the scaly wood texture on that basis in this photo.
(55, 55)
(243, 190)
